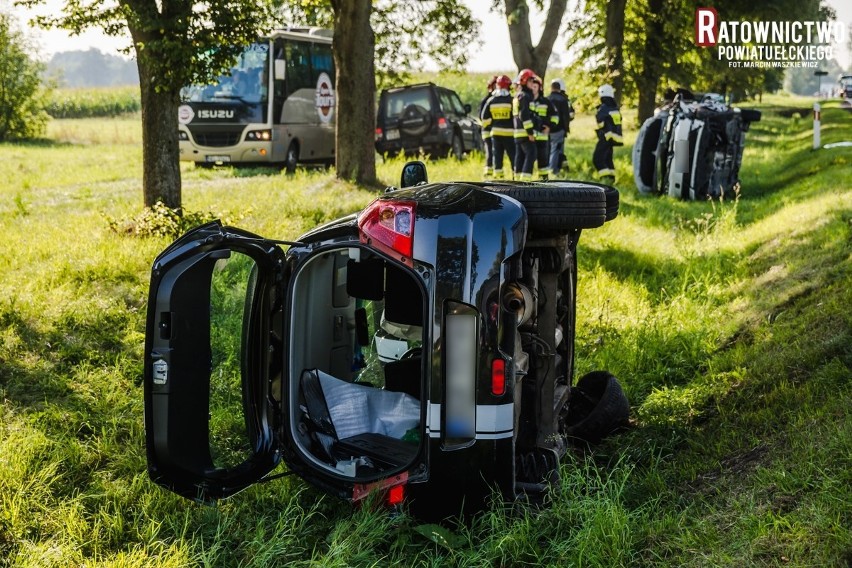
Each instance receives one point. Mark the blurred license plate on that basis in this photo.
(393, 135)
(218, 158)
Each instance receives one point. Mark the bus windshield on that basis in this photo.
(247, 81)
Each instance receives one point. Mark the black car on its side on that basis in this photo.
(425, 118)
(261, 351)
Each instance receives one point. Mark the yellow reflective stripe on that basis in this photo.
(501, 105)
(528, 124)
(520, 133)
(486, 122)
(500, 131)
(616, 116)
(554, 119)
(486, 134)
(614, 137)
(600, 125)
(605, 172)
(541, 136)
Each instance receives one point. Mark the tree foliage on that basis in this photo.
(408, 33)
(22, 95)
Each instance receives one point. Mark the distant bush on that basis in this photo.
(93, 102)
(162, 221)
(21, 90)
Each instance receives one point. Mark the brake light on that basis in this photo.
(396, 495)
(378, 134)
(389, 226)
(498, 377)
(442, 123)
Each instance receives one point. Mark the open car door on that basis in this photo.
(211, 354)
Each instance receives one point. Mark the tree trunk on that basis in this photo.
(354, 45)
(527, 55)
(614, 42)
(160, 151)
(649, 78)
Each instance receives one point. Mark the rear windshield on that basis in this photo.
(397, 101)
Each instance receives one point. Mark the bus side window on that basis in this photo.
(321, 61)
(298, 67)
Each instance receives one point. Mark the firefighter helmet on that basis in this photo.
(524, 76)
(606, 91)
(503, 82)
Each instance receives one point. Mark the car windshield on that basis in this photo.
(399, 100)
(246, 81)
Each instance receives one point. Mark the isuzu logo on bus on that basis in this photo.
(218, 113)
(185, 114)
(324, 97)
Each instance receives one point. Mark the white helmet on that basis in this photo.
(559, 83)
(606, 91)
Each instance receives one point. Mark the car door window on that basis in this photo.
(446, 102)
(458, 107)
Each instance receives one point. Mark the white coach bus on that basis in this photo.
(276, 106)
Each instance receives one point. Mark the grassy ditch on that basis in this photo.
(727, 322)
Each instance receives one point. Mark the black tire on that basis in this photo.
(597, 407)
(612, 200)
(457, 147)
(562, 206)
(414, 121)
(750, 115)
(292, 159)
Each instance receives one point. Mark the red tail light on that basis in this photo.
(396, 495)
(378, 134)
(442, 123)
(389, 226)
(498, 377)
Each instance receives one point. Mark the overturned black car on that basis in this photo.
(423, 348)
(692, 148)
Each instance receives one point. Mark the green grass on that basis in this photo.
(728, 324)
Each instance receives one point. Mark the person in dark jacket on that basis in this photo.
(486, 136)
(608, 117)
(496, 120)
(560, 128)
(544, 117)
(525, 150)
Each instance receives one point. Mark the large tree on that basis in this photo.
(526, 54)
(354, 46)
(176, 42)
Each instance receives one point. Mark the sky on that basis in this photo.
(493, 54)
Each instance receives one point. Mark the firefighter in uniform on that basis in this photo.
(486, 136)
(559, 131)
(525, 151)
(496, 120)
(544, 118)
(609, 134)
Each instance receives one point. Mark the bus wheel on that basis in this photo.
(292, 158)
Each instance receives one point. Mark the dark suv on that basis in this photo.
(255, 354)
(425, 118)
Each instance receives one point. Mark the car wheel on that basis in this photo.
(597, 407)
(292, 158)
(557, 207)
(457, 147)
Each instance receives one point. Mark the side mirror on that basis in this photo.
(467, 108)
(279, 70)
(413, 173)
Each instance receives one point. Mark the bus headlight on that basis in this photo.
(259, 135)
(183, 136)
